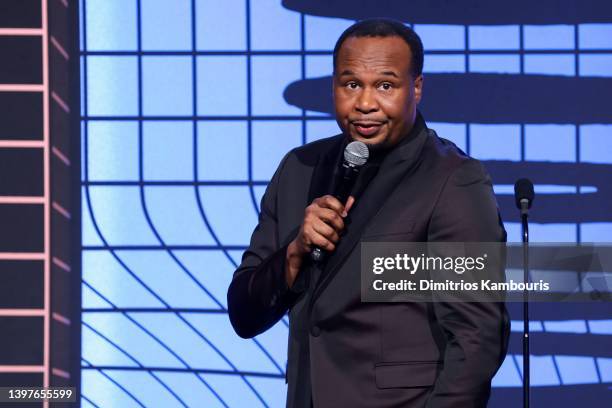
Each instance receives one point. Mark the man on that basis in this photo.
(417, 187)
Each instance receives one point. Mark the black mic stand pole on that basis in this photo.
(524, 216)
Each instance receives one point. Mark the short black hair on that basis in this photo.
(386, 27)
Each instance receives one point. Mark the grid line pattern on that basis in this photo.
(221, 191)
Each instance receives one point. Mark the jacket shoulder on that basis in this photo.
(446, 152)
(447, 157)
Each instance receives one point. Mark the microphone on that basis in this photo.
(523, 194)
(523, 198)
(356, 154)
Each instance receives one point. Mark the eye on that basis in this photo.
(351, 85)
(385, 86)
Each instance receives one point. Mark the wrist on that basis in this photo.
(293, 261)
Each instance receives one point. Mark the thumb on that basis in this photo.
(347, 207)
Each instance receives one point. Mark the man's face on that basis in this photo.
(375, 94)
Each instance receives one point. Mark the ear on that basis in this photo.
(418, 88)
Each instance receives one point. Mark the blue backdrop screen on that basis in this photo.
(188, 107)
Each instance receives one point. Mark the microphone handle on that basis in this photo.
(343, 190)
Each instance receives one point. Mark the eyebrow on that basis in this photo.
(388, 73)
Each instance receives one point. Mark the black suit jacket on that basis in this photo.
(345, 353)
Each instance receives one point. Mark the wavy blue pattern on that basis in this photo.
(101, 388)
(86, 402)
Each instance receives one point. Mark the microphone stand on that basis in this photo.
(525, 223)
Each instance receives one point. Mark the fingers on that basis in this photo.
(326, 231)
(319, 240)
(349, 203)
(310, 237)
(322, 228)
(330, 202)
(323, 223)
(332, 218)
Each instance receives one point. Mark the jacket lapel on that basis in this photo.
(399, 163)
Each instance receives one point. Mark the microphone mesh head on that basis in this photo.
(356, 153)
(523, 189)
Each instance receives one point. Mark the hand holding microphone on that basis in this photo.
(323, 220)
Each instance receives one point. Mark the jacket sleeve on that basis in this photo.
(258, 295)
(476, 333)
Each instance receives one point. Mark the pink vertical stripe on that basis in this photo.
(47, 194)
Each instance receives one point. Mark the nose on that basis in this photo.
(366, 102)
